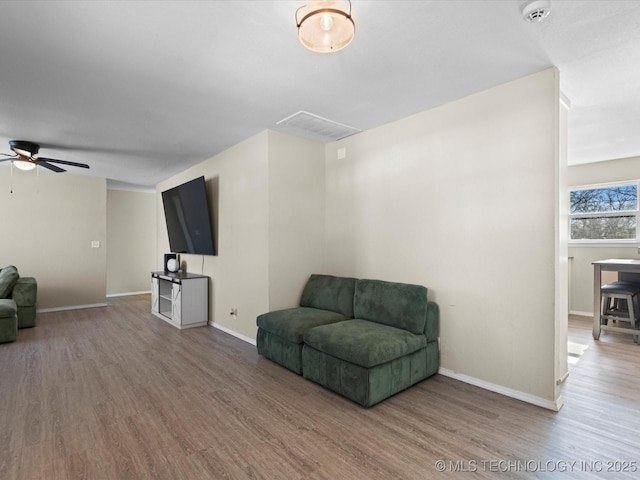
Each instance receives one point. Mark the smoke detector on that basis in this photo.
(536, 10)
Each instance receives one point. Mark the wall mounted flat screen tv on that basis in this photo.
(186, 210)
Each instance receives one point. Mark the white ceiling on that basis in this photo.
(143, 90)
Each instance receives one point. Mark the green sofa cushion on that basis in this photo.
(400, 305)
(326, 292)
(8, 278)
(362, 342)
(8, 308)
(291, 323)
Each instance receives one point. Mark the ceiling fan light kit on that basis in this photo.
(25, 159)
(325, 26)
(23, 164)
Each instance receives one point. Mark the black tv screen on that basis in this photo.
(186, 210)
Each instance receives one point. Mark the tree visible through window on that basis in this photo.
(604, 213)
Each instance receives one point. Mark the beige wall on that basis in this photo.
(48, 224)
(131, 241)
(463, 199)
(581, 268)
(267, 199)
(296, 216)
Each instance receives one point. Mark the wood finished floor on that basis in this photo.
(114, 393)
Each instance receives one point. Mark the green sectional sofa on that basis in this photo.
(386, 342)
(18, 297)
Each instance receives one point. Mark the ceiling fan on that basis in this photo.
(24, 157)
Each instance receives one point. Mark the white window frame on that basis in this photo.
(609, 242)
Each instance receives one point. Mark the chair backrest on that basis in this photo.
(327, 292)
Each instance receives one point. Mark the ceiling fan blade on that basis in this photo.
(7, 159)
(51, 167)
(64, 162)
(8, 154)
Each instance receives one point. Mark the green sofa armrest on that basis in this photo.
(432, 326)
(25, 292)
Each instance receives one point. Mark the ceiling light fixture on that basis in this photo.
(536, 11)
(24, 164)
(325, 26)
(25, 151)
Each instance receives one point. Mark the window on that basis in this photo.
(604, 214)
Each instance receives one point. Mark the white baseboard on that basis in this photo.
(93, 305)
(72, 307)
(233, 334)
(582, 314)
(508, 392)
(110, 295)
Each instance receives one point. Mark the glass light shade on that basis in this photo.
(22, 152)
(24, 164)
(325, 26)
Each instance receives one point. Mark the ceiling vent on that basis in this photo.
(536, 11)
(313, 127)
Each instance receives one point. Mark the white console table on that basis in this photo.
(181, 299)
